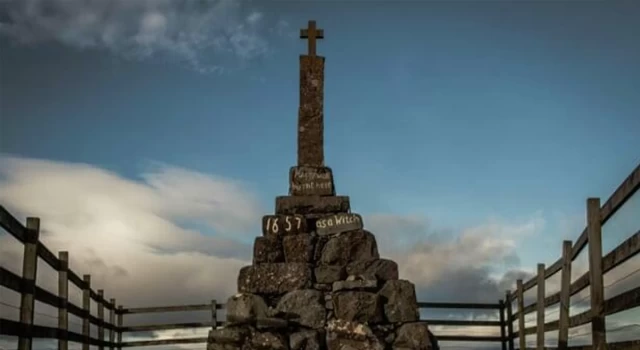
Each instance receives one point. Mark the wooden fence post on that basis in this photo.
(540, 308)
(521, 336)
(503, 335)
(509, 299)
(112, 322)
(101, 318)
(214, 314)
(565, 296)
(86, 306)
(29, 269)
(594, 232)
(120, 324)
(63, 294)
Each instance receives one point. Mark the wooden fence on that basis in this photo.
(26, 330)
(593, 278)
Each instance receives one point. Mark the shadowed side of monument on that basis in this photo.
(317, 280)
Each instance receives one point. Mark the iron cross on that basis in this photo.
(312, 33)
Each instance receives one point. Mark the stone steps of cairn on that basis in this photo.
(317, 282)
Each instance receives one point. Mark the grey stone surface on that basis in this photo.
(348, 335)
(267, 250)
(329, 273)
(380, 269)
(276, 278)
(245, 308)
(228, 335)
(358, 306)
(299, 248)
(307, 340)
(305, 307)
(414, 336)
(400, 303)
(349, 247)
(351, 285)
(269, 341)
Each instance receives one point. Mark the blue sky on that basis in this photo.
(457, 111)
(461, 112)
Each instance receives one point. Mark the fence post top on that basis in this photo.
(33, 223)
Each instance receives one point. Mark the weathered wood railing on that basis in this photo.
(593, 278)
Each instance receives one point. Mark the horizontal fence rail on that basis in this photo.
(599, 265)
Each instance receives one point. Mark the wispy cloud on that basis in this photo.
(206, 35)
(127, 234)
(476, 264)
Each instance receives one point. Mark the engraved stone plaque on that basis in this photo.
(311, 181)
(283, 225)
(338, 223)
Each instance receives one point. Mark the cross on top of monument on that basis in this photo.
(312, 33)
(310, 112)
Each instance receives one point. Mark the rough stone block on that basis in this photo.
(380, 269)
(228, 335)
(311, 181)
(277, 278)
(218, 346)
(338, 223)
(329, 273)
(305, 307)
(277, 226)
(351, 285)
(267, 250)
(307, 340)
(269, 341)
(299, 248)
(352, 246)
(245, 308)
(320, 243)
(385, 332)
(358, 306)
(343, 334)
(414, 335)
(400, 303)
(291, 205)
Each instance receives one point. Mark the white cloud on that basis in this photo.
(126, 233)
(468, 265)
(201, 34)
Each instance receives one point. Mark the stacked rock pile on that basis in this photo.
(317, 281)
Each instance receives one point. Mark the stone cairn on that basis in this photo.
(317, 281)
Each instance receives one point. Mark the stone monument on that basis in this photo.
(317, 281)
